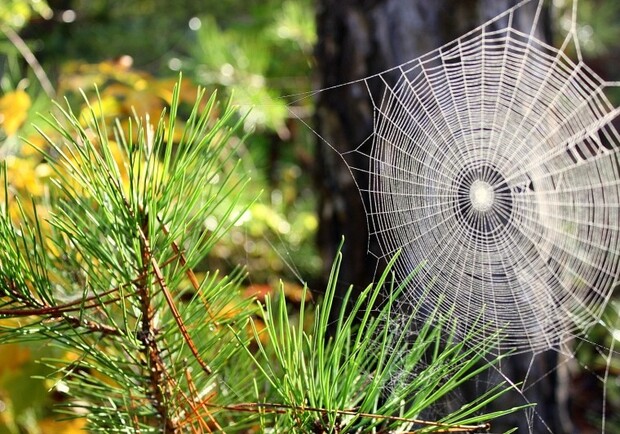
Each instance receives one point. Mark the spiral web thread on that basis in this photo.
(493, 161)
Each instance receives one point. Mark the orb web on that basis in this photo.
(493, 161)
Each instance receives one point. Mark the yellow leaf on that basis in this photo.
(23, 175)
(143, 102)
(72, 426)
(107, 106)
(163, 89)
(12, 357)
(14, 108)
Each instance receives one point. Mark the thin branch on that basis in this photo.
(60, 312)
(54, 311)
(160, 385)
(173, 309)
(182, 259)
(30, 58)
(93, 326)
(195, 404)
(72, 306)
(188, 271)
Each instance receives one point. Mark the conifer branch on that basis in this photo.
(61, 312)
(155, 366)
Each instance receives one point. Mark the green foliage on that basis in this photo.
(16, 13)
(240, 66)
(257, 62)
(100, 276)
(126, 50)
(94, 30)
(257, 52)
(367, 376)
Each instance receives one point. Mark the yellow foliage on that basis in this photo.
(73, 426)
(34, 142)
(123, 90)
(12, 357)
(107, 106)
(14, 108)
(145, 103)
(21, 174)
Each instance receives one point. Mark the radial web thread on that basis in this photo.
(493, 161)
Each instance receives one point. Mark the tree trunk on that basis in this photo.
(359, 38)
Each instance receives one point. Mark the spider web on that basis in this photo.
(494, 162)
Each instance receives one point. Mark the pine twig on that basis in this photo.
(173, 308)
(160, 382)
(188, 272)
(61, 312)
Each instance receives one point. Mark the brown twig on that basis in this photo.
(196, 403)
(173, 309)
(160, 384)
(93, 326)
(60, 312)
(54, 310)
(188, 272)
(46, 309)
(182, 259)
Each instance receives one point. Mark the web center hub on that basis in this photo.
(481, 195)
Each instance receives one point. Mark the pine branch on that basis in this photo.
(102, 275)
(160, 387)
(362, 376)
(166, 292)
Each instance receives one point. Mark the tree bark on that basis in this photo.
(359, 38)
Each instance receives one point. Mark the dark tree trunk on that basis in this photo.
(358, 38)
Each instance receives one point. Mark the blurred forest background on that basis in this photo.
(131, 53)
